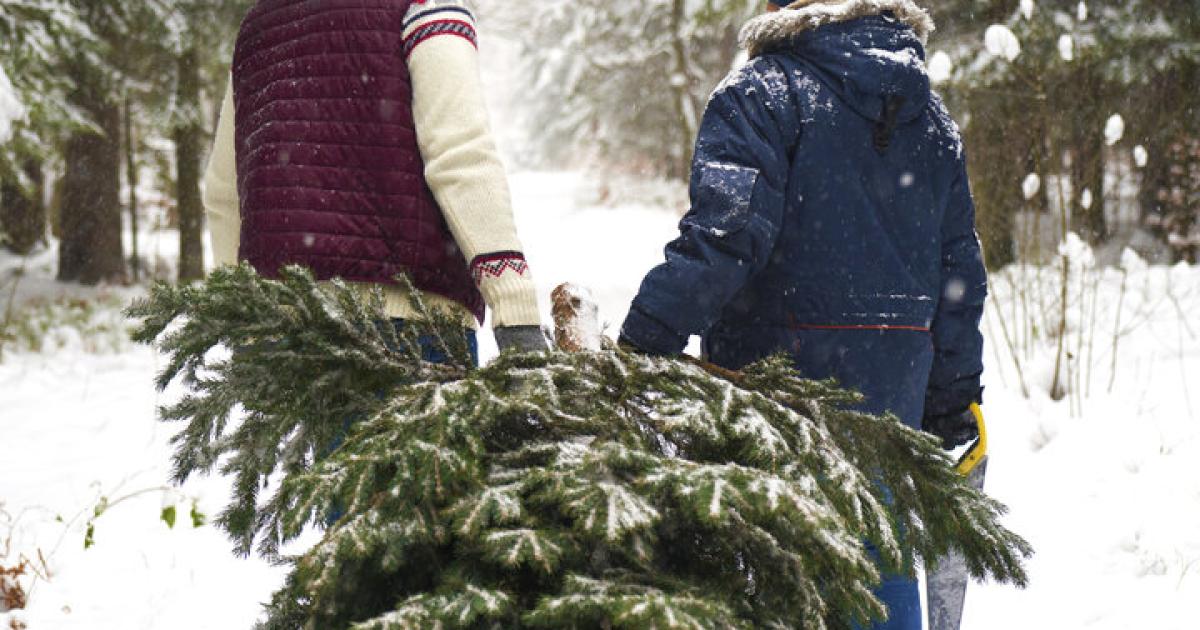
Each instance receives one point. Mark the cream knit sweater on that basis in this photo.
(462, 167)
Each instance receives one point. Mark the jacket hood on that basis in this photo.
(772, 29)
(870, 52)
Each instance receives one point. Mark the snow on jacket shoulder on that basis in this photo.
(739, 177)
(829, 192)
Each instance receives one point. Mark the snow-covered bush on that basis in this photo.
(1058, 89)
(72, 324)
(11, 108)
(33, 34)
(1059, 328)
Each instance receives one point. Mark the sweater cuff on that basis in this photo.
(508, 288)
(447, 18)
(650, 335)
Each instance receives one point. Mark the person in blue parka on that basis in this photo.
(831, 218)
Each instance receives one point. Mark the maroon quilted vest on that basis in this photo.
(329, 173)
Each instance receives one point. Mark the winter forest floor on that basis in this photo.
(1102, 482)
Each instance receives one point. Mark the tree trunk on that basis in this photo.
(1087, 181)
(91, 250)
(995, 224)
(131, 177)
(681, 81)
(995, 175)
(189, 136)
(23, 210)
(1154, 178)
(1087, 163)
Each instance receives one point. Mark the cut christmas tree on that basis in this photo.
(596, 489)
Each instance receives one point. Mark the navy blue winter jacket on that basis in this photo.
(829, 193)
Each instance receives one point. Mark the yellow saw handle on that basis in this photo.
(978, 450)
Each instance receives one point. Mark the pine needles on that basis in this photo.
(602, 489)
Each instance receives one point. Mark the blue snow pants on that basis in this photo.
(889, 367)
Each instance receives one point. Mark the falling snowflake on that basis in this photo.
(1002, 42)
(1031, 185)
(1140, 156)
(1114, 129)
(940, 67)
(1066, 48)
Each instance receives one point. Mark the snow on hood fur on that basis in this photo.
(778, 27)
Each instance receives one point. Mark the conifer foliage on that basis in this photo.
(588, 490)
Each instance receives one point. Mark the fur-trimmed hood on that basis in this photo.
(775, 28)
(869, 52)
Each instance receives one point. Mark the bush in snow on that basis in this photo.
(1178, 196)
(1054, 88)
(73, 324)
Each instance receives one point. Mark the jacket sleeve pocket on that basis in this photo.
(721, 198)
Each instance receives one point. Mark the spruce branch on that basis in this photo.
(590, 489)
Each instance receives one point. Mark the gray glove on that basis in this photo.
(521, 339)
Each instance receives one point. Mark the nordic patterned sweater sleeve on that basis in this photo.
(462, 164)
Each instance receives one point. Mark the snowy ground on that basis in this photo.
(1105, 487)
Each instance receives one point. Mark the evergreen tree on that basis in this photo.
(587, 490)
(33, 34)
(92, 249)
(107, 64)
(198, 28)
(624, 82)
(22, 210)
(169, 79)
(189, 138)
(1044, 111)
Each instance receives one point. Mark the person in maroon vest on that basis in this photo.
(354, 141)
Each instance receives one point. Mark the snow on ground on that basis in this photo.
(77, 427)
(1108, 494)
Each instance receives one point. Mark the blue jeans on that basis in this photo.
(430, 352)
(891, 369)
(902, 596)
(903, 599)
